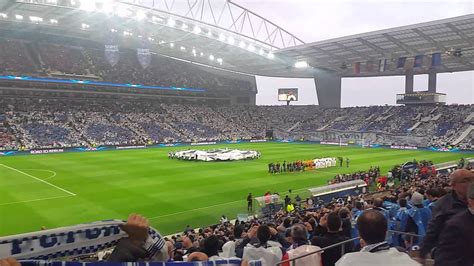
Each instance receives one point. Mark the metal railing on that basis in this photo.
(292, 261)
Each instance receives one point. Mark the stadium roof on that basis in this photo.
(202, 32)
(446, 36)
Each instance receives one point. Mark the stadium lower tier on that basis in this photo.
(32, 123)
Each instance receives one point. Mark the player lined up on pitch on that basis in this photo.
(301, 165)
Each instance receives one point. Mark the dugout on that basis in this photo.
(334, 191)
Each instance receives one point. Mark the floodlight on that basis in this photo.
(209, 33)
(251, 48)
(3, 15)
(87, 5)
(182, 48)
(19, 17)
(211, 57)
(231, 40)
(127, 33)
(140, 15)
(197, 30)
(301, 64)
(222, 37)
(36, 19)
(201, 54)
(184, 26)
(271, 55)
(85, 26)
(53, 21)
(171, 44)
(156, 19)
(151, 39)
(261, 52)
(171, 22)
(242, 44)
(113, 30)
(123, 12)
(219, 60)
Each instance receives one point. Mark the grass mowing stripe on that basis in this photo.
(112, 184)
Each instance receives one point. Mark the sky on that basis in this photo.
(316, 20)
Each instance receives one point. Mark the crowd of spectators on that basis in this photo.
(75, 61)
(43, 123)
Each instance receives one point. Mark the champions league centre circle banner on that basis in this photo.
(214, 155)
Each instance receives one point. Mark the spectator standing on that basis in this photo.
(456, 244)
(446, 207)
(375, 250)
(333, 235)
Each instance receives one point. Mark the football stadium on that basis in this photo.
(162, 132)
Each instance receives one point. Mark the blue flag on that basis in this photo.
(436, 59)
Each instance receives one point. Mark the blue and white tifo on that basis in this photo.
(96, 83)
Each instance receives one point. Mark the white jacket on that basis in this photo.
(391, 257)
(269, 256)
(313, 260)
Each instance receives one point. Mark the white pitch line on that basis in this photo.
(43, 170)
(207, 207)
(41, 180)
(26, 201)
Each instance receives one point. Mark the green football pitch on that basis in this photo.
(65, 189)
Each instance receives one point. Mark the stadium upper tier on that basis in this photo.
(225, 35)
(35, 122)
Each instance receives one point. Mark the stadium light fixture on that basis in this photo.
(242, 44)
(3, 15)
(209, 33)
(140, 15)
(161, 42)
(201, 54)
(211, 57)
(271, 55)
(251, 48)
(171, 44)
(114, 30)
(85, 26)
(182, 48)
(197, 30)
(53, 21)
(19, 17)
(171, 22)
(184, 26)
(151, 39)
(87, 5)
(231, 40)
(36, 19)
(301, 64)
(156, 19)
(219, 60)
(127, 33)
(261, 52)
(123, 12)
(222, 37)
(194, 52)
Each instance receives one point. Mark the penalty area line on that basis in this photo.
(34, 200)
(39, 179)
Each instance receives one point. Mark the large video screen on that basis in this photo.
(288, 94)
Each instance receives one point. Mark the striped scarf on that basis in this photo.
(68, 241)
